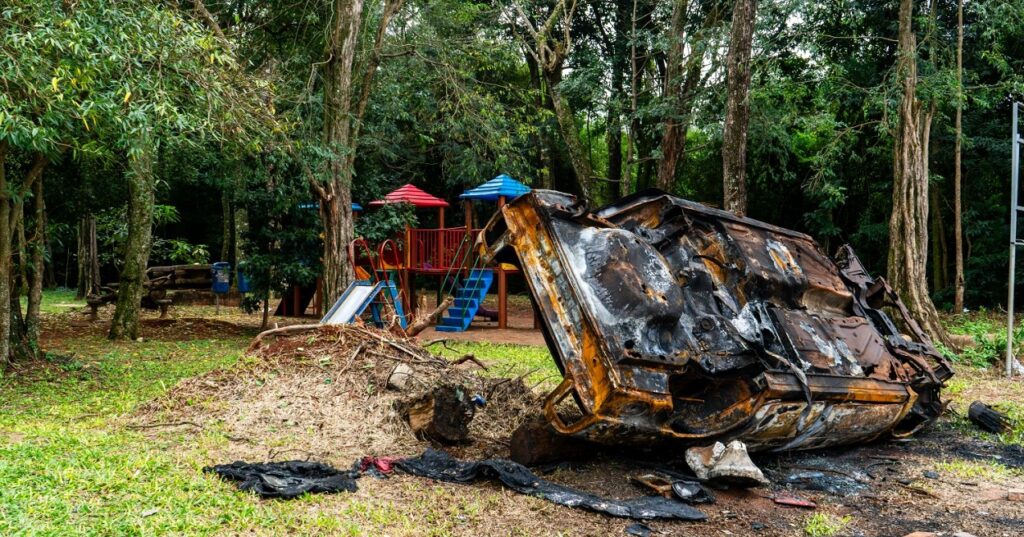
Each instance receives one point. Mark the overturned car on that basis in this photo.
(672, 320)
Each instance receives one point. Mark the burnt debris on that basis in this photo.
(673, 320)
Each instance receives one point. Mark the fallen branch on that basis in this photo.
(352, 358)
(170, 424)
(422, 323)
(919, 490)
(470, 358)
(284, 330)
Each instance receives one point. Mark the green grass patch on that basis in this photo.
(988, 470)
(507, 360)
(58, 300)
(825, 524)
(71, 467)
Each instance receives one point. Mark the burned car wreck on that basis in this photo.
(674, 321)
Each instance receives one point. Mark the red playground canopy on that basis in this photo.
(412, 195)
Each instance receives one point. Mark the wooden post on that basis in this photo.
(408, 246)
(502, 298)
(410, 294)
(318, 297)
(440, 218)
(501, 202)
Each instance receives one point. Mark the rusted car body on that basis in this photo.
(673, 320)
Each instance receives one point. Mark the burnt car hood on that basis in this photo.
(674, 320)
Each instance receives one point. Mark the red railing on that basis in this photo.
(437, 249)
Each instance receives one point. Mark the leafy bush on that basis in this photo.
(385, 222)
(989, 336)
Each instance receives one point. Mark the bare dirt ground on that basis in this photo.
(520, 329)
(313, 397)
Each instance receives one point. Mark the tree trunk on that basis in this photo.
(5, 260)
(939, 247)
(674, 135)
(737, 108)
(227, 220)
(80, 261)
(613, 137)
(94, 258)
(88, 258)
(628, 176)
(38, 257)
(570, 134)
(682, 79)
(908, 224)
(141, 197)
(958, 295)
(541, 140)
(336, 195)
(550, 54)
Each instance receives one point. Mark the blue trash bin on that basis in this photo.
(242, 280)
(221, 277)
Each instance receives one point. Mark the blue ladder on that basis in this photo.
(376, 307)
(468, 299)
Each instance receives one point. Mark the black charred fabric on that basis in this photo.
(287, 479)
(440, 466)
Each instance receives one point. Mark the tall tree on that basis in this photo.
(5, 258)
(958, 231)
(908, 223)
(550, 50)
(344, 108)
(737, 107)
(683, 76)
(141, 199)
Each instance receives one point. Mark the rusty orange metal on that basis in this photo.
(673, 320)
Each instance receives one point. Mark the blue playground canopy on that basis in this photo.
(494, 189)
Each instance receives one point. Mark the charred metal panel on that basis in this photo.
(670, 319)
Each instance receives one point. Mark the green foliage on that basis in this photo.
(112, 233)
(385, 222)
(282, 243)
(989, 335)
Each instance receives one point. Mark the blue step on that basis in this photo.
(467, 302)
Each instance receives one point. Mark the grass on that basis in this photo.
(57, 301)
(507, 360)
(71, 467)
(988, 470)
(825, 524)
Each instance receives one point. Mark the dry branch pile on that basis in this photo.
(322, 393)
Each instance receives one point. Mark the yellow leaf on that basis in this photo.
(127, 95)
(211, 57)
(53, 83)
(86, 123)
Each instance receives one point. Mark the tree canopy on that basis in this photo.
(258, 123)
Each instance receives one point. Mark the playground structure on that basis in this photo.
(388, 271)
